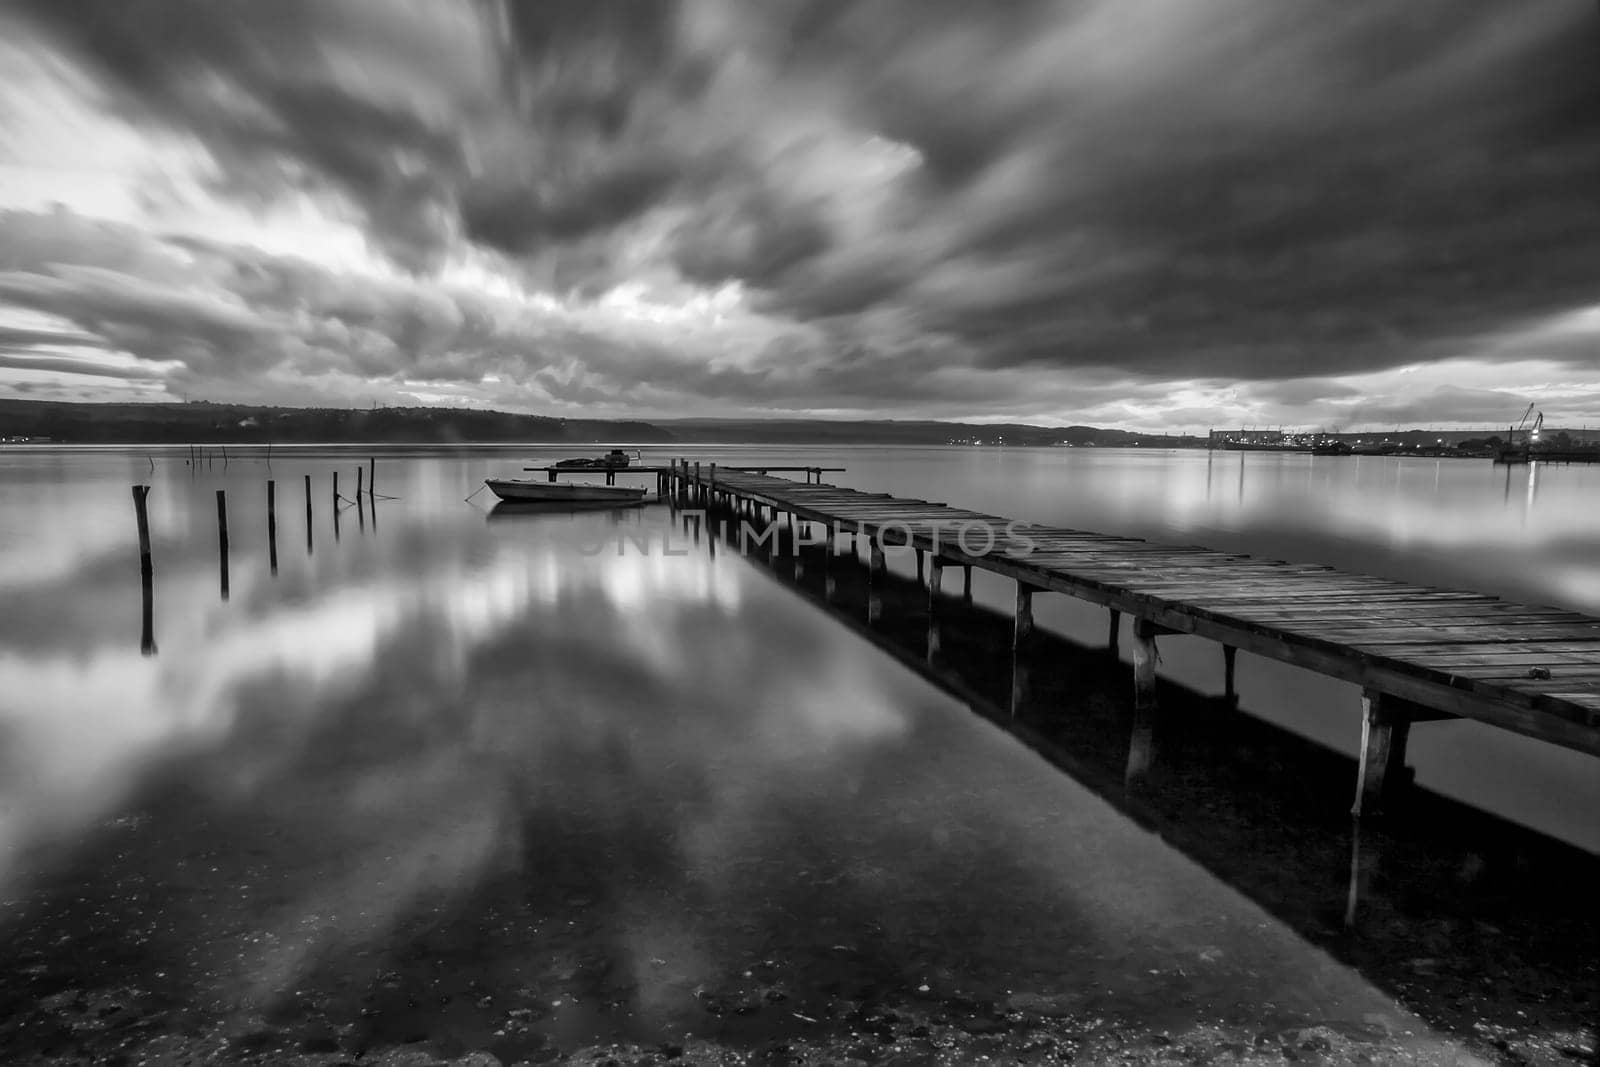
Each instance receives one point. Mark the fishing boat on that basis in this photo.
(528, 491)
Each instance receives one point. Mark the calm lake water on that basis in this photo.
(448, 781)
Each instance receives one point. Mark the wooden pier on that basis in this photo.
(1418, 653)
(552, 472)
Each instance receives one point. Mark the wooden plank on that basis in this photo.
(1379, 638)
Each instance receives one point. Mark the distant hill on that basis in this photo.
(908, 432)
(229, 423)
(247, 424)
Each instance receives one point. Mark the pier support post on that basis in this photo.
(1141, 743)
(272, 525)
(308, 514)
(1230, 692)
(1144, 664)
(920, 578)
(336, 492)
(966, 582)
(830, 584)
(372, 478)
(878, 565)
(359, 473)
(935, 581)
(222, 537)
(147, 637)
(1023, 627)
(1114, 634)
(1385, 729)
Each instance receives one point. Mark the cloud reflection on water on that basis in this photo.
(478, 745)
(412, 715)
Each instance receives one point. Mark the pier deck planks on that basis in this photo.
(1459, 652)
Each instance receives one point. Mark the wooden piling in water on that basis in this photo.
(222, 538)
(147, 640)
(1229, 692)
(372, 477)
(935, 581)
(308, 514)
(359, 473)
(1023, 627)
(272, 525)
(966, 582)
(1114, 632)
(336, 492)
(142, 516)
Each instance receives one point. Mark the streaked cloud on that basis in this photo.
(1149, 212)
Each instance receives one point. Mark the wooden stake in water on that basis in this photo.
(272, 525)
(222, 537)
(147, 640)
(308, 514)
(372, 478)
(359, 473)
(336, 492)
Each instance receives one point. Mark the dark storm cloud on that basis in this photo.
(68, 365)
(1289, 189)
(14, 340)
(1243, 189)
(265, 89)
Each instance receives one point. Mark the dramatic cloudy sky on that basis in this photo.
(1137, 212)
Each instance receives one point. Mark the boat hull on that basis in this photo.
(526, 491)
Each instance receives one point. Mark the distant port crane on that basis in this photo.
(1530, 436)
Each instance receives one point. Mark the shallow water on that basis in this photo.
(468, 784)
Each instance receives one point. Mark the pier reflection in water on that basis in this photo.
(1473, 921)
(471, 784)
